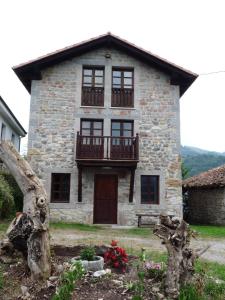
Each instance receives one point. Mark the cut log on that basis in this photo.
(176, 236)
(29, 231)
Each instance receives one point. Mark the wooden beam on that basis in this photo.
(79, 184)
(132, 174)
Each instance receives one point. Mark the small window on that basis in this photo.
(149, 189)
(13, 138)
(3, 132)
(93, 86)
(60, 188)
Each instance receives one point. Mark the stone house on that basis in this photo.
(206, 197)
(10, 127)
(104, 131)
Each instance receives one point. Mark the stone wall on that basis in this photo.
(207, 206)
(55, 115)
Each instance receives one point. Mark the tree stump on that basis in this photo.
(176, 236)
(29, 231)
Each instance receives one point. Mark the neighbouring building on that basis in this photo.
(206, 197)
(104, 131)
(10, 127)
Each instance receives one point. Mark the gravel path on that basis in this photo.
(67, 237)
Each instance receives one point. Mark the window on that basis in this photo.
(13, 138)
(149, 189)
(3, 132)
(122, 128)
(60, 188)
(122, 87)
(93, 86)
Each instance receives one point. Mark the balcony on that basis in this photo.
(107, 150)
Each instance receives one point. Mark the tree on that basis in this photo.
(29, 231)
(184, 171)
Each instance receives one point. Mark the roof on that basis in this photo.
(31, 70)
(209, 179)
(7, 113)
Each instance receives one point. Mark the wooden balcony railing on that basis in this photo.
(92, 96)
(107, 147)
(122, 97)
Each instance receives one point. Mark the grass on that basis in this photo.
(76, 226)
(142, 232)
(209, 231)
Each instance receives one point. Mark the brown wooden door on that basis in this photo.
(105, 199)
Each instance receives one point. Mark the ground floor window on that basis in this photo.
(149, 189)
(60, 187)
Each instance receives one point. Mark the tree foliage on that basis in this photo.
(6, 199)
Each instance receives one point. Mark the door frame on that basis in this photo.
(116, 183)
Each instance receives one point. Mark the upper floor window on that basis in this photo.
(93, 86)
(149, 189)
(3, 132)
(122, 87)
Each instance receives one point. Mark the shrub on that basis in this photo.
(15, 190)
(116, 257)
(154, 270)
(88, 253)
(6, 199)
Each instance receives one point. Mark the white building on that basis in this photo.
(10, 127)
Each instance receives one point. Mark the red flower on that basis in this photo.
(114, 243)
(116, 264)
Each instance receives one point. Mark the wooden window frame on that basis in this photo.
(122, 96)
(93, 95)
(92, 126)
(122, 128)
(67, 200)
(150, 202)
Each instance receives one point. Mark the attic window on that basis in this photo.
(93, 86)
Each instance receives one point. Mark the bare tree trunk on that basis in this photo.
(176, 236)
(29, 232)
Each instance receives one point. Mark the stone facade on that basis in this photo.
(207, 206)
(55, 114)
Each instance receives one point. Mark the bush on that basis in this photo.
(15, 190)
(6, 199)
(88, 253)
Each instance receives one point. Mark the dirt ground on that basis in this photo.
(68, 237)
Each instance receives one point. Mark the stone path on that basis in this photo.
(68, 237)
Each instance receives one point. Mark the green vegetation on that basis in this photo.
(1, 278)
(6, 199)
(209, 231)
(76, 226)
(88, 253)
(68, 281)
(143, 232)
(198, 160)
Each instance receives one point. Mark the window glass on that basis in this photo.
(115, 125)
(99, 73)
(98, 80)
(116, 73)
(149, 189)
(60, 187)
(128, 74)
(127, 125)
(127, 81)
(88, 72)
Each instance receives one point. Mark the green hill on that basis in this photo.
(199, 160)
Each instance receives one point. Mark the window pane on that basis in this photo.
(127, 133)
(115, 125)
(86, 132)
(127, 81)
(115, 132)
(86, 124)
(97, 132)
(99, 80)
(127, 125)
(98, 72)
(98, 125)
(116, 80)
(116, 73)
(128, 74)
(87, 79)
(87, 71)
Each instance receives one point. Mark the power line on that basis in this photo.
(211, 73)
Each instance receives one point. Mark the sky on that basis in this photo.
(189, 33)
